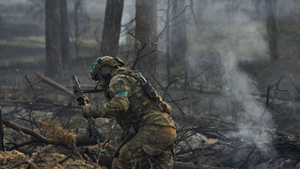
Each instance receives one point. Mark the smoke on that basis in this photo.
(229, 28)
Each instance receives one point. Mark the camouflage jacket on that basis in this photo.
(130, 103)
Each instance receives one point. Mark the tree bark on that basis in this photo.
(65, 43)
(178, 39)
(112, 27)
(53, 39)
(1, 132)
(271, 28)
(168, 43)
(146, 31)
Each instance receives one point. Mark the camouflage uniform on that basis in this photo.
(147, 120)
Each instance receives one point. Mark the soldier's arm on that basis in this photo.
(119, 90)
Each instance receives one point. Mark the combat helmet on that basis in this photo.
(103, 66)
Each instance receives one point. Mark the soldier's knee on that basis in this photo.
(164, 160)
(119, 163)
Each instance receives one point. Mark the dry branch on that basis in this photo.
(42, 138)
(31, 160)
(34, 134)
(55, 84)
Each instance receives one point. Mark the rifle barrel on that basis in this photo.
(93, 91)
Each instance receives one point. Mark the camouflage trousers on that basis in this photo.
(151, 147)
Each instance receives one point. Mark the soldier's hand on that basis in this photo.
(86, 99)
(86, 111)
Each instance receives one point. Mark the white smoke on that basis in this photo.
(238, 38)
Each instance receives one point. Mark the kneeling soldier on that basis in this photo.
(148, 129)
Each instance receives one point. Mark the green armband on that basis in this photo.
(124, 93)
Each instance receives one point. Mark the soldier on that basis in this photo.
(148, 129)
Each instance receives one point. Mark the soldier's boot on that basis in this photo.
(119, 163)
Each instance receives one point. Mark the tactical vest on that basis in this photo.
(143, 98)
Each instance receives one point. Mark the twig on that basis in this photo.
(16, 146)
(67, 157)
(165, 91)
(246, 160)
(77, 152)
(294, 84)
(167, 22)
(193, 13)
(4, 67)
(175, 78)
(32, 158)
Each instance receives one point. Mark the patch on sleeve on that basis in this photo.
(118, 85)
(124, 93)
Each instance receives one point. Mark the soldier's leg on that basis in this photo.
(131, 153)
(160, 145)
(149, 142)
(119, 163)
(164, 160)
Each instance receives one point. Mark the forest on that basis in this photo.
(228, 68)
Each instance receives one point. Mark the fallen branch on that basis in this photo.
(42, 138)
(55, 84)
(32, 158)
(34, 134)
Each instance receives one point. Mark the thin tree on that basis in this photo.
(76, 15)
(146, 32)
(65, 43)
(168, 42)
(53, 39)
(271, 28)
(1, 133)
(112, 27)
(178, 38)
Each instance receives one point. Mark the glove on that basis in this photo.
(86, 99)
(87, 111)
(83, 100)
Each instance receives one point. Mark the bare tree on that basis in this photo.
(168, 42)
(1, 133)
(0, 20)
(178, 37)
(256, 4)
(76, 12)
(146, 32)
(81, 23)
(53, 39)
(271, 27)
(65, 43)
(112, 27)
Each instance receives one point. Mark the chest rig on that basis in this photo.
(143, 97)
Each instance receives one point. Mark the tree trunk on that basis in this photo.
(1, 133)
(179, 39)
(65, 43)
(256, 6)
(76, 16)
(168, 43)
(112, 27)
(146, 31)
(53, 39)
(271, 28)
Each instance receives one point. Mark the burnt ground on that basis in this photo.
(23, 53)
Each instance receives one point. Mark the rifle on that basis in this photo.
(91, 129)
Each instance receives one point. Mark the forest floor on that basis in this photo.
(25, 55)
